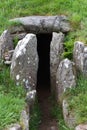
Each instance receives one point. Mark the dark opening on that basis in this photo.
(43, 49)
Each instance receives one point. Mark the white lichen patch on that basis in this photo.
(29, 62)
(56, 82)
(31, 94)
(29, 77)
(17, 83)
(66, 65)
(85, 49)
(17, 77)
(19, 63)
(23, 80)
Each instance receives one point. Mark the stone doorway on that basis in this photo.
(43, 50)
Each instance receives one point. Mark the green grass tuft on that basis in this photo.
(12, 98)
(35, 117)
(77, 100)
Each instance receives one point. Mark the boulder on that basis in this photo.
(80, 57)
(6, 44)
(56, 50)
(25, 62)
(81, 127)
(44, 24)
(65, 77)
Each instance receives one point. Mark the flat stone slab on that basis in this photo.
(44, 24)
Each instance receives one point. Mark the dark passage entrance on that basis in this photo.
(43, 81)
(43, 49)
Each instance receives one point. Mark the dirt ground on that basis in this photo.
(47, 122)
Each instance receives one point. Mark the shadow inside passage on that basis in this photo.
(43, 49)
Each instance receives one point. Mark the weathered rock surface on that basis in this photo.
(30, 98)
(17, 32)
(6, 43)
(56, 50)
(25, 62)
(44, 24)
(81, 127)
(80, 57)
(15, 127)
(24, 120)
(69, 117)
(65, 77)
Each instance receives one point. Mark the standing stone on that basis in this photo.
(56, 50)
(6, 43)
(65, 77)
(25, 62)
(69, 116)
(80, 57)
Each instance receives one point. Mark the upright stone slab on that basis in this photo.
(56, 50)
(65, 77)
(80, 57)
(25, 62)
(6, 43)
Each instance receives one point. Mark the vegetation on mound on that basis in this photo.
(76, 10)
(35, 117)
(77, 100)
(11, 98)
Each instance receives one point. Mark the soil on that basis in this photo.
(47, 122)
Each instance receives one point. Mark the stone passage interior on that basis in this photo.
(43, 49)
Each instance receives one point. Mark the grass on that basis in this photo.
(76, 10)
(56, 113)
(35, 117)
(77, 100)
(11, 99)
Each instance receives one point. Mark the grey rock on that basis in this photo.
(81, 127)
(44, 24)
(30, 98)
(6, 43)
(65, 77)
(25, 62)
(24, 120)
(80, 57)
(15, 127)
(56, 50)
(18, 36)
(16, 29)
(69, 117)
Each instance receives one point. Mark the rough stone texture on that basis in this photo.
(17, 32)
(44, 24)
(69, 117)
(25, 62)
(65, 77)
(24, 120)
(81, 127)
(30, 98)
(56, 50)
(15, 127)
(6, 43)
(80, 57)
